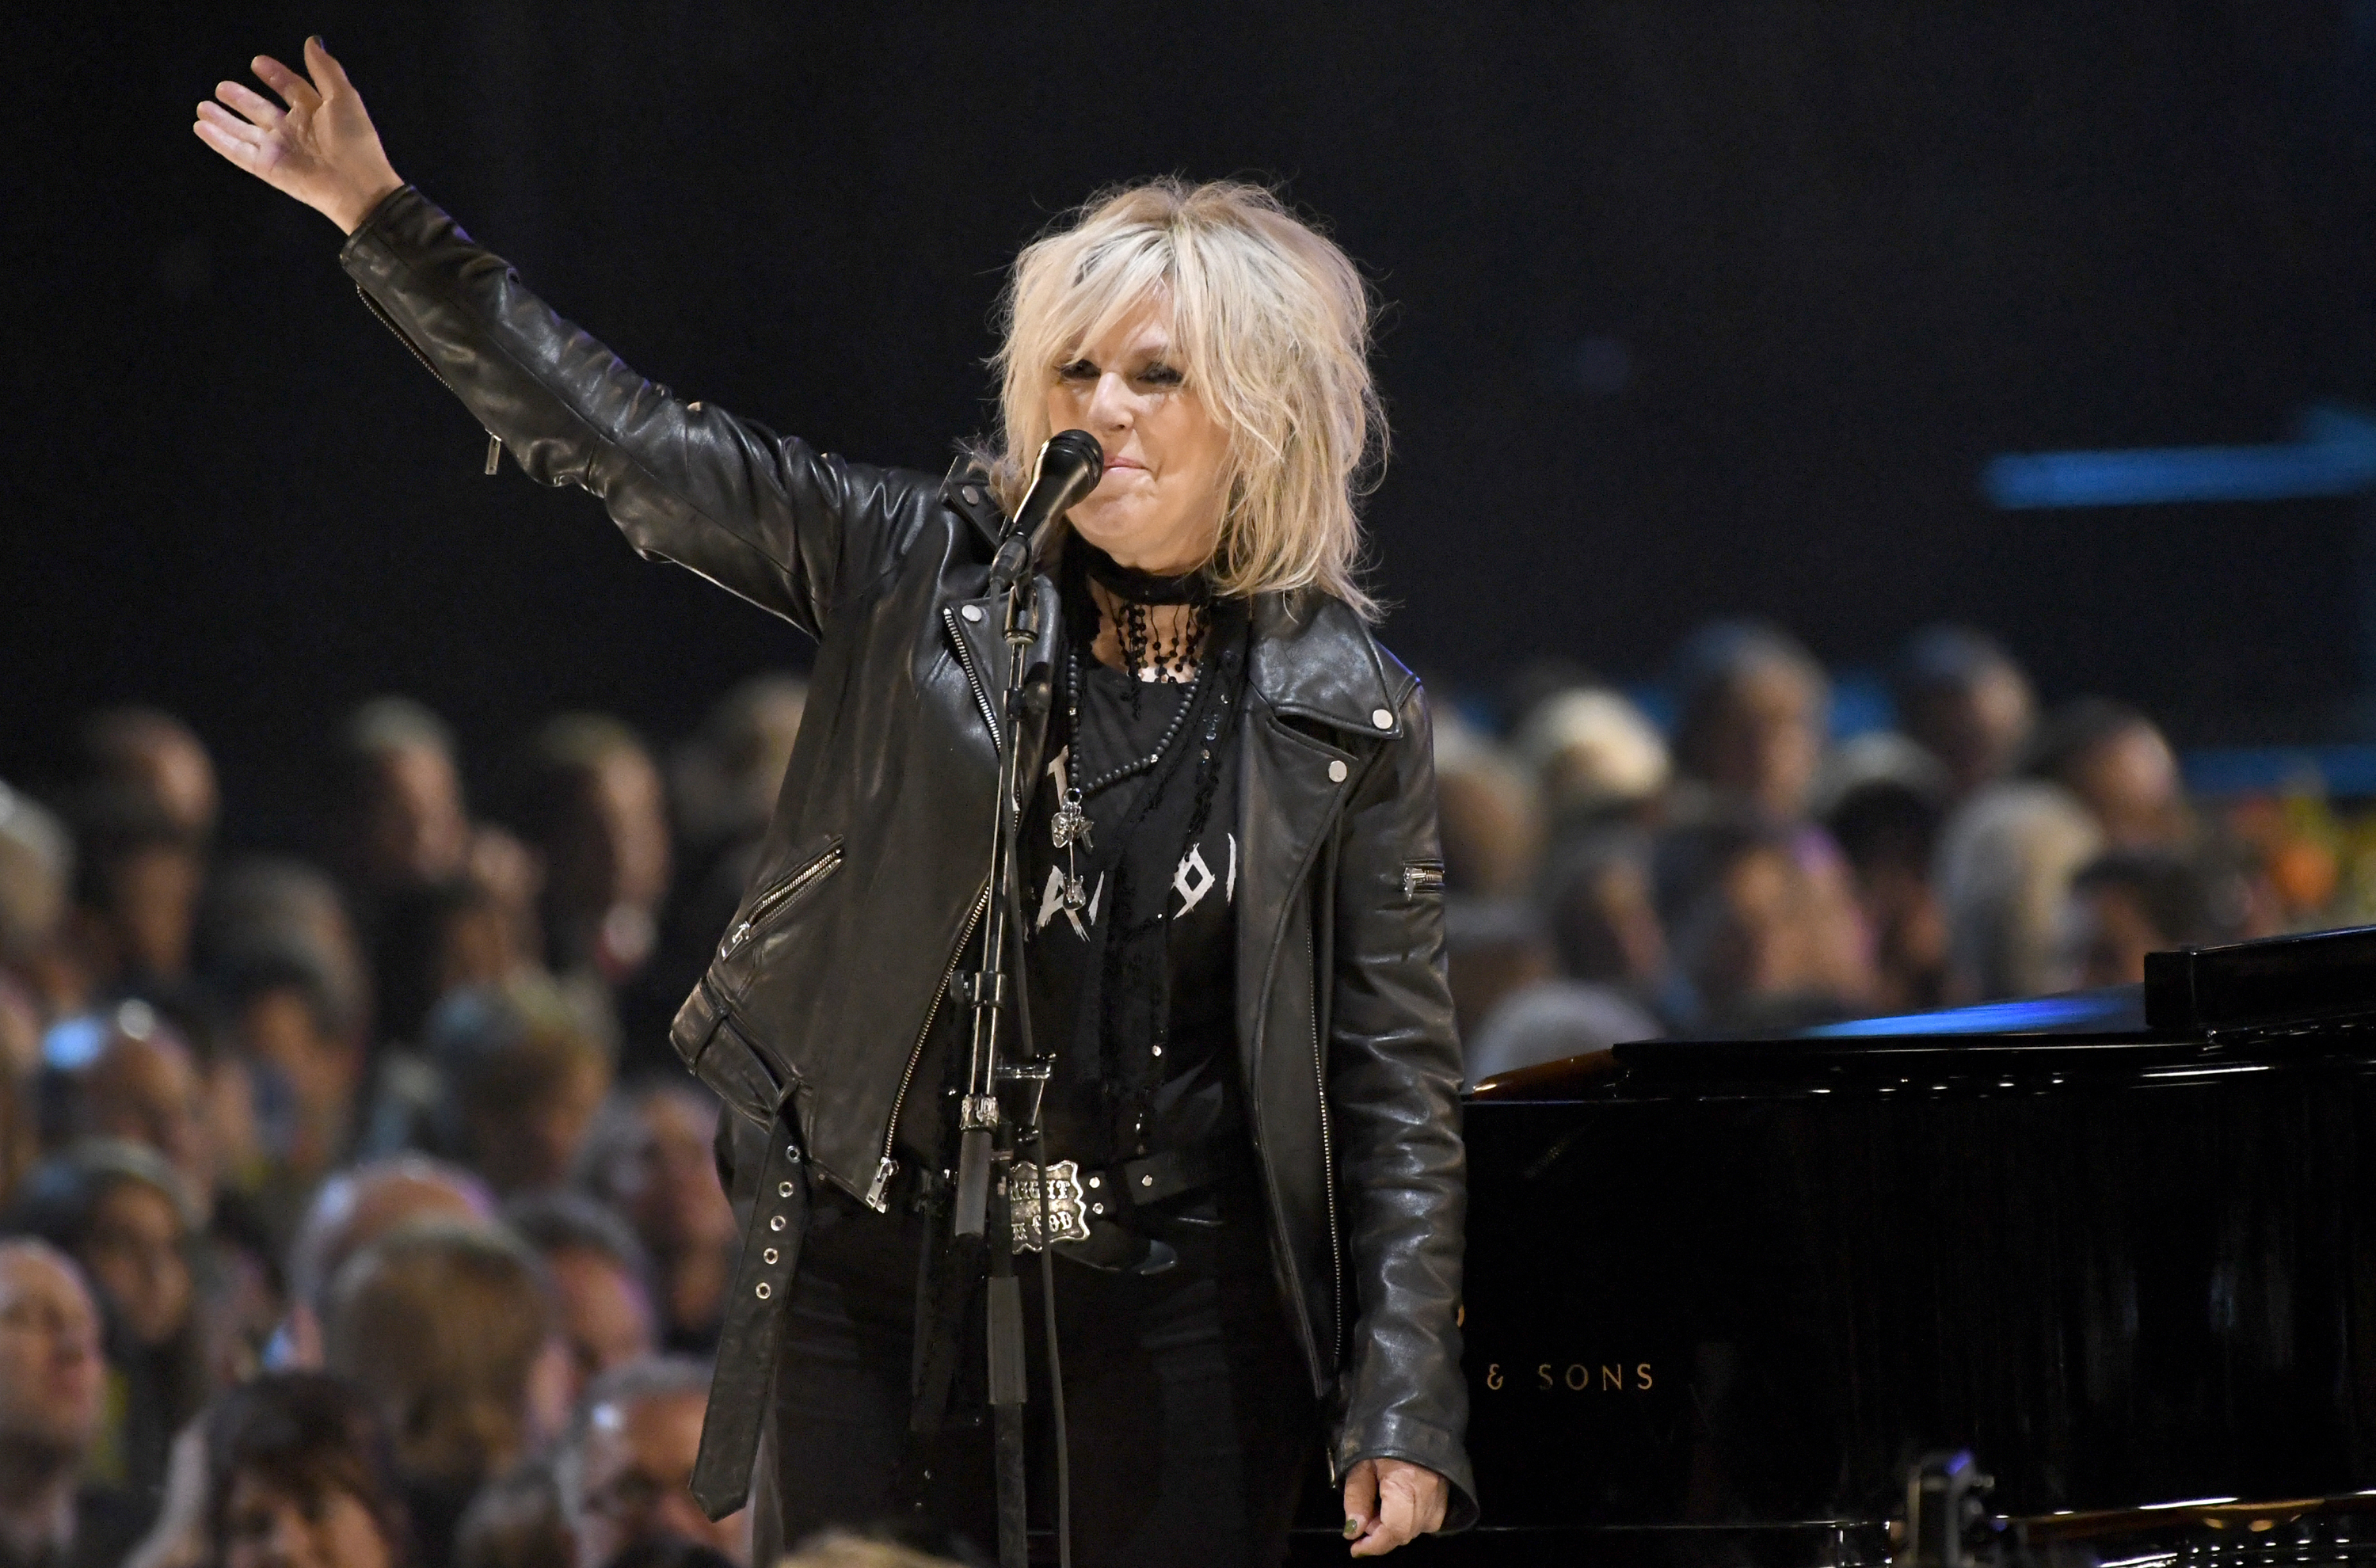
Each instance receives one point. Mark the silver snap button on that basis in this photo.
(1097, 1208)
(970, 611)
(783, 1189)
(1157, 1049)
(765, 1291)
(1095, 1181)
(1382, 719)
(769, 1254)
(973, 494)
(1146, 1180)
(777, 1223)
(1337, 772)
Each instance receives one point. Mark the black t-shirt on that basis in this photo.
(1134, 993)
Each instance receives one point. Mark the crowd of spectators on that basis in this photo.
(357, 1214)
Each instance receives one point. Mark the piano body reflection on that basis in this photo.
(1721, 1295)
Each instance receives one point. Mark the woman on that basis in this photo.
(124, 1214)
(299, 1476)
(1233, 889)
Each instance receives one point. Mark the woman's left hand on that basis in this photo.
(1389, 1501)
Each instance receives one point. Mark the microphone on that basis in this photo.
(1070, 465)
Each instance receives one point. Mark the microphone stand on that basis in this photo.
(986, 1197)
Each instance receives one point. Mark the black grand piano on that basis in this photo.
(1726, 1297)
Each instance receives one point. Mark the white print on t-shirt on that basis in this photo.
(1052, 904)
(1193, 879)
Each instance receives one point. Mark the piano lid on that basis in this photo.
(2199, 1007)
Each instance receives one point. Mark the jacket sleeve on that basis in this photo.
(1393, 1096)
(766, 516)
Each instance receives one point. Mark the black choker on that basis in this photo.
(1143, 588)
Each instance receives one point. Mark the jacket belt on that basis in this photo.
(754, 1330)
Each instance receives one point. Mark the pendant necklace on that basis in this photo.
(1148, 656)
(1069, 825)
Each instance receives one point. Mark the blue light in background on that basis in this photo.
(2122, 1007)
(2333, 454)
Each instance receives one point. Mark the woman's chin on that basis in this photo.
(1148, 549)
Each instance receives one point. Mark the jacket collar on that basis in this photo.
(965, 490)
(1312, 657)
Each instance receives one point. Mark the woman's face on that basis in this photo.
(134, 1250)
(265, 1527)
(1158, 506)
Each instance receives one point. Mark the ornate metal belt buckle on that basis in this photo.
(1066, 1216)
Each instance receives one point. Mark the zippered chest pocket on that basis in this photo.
(771, 907)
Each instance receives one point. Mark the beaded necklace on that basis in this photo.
(1146, 658)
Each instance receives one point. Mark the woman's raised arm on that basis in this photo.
(320, 149)
(766, 516)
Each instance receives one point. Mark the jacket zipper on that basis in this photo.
(1328, 1174)
(973, 676)
(776, 895)
(881, 1185)
(495, 442)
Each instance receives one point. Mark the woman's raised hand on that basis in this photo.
(321, 148)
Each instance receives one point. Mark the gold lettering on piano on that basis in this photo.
(1580, 1377)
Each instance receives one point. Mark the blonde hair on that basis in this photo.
(441, 1325)
(1270, 325)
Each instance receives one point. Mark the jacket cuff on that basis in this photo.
(1399, 1437)
(369, 230)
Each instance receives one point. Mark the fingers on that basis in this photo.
(259, 109)
(1397, 1519)
(325, 70)
(230, 135)
(1361, 1499)
(230, 146)
(295, 90)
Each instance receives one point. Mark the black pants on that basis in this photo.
(1193, 1424)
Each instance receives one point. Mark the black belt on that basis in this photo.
(1164, 1174)
(754, 1330)
(1091, 1212)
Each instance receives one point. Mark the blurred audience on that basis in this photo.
(601, 1280)
(626, 1466)
(1963, 699)
(408, 1130)
(1885, 801)
(651, 1158)
(516, 1521)
(2127, 903)
(40, 980)
(521, 1077)
(1753, 707)
(596, 809)
(300, 1474)
(2114, 761)
(451, 1332)
(351, 1211)
(53, 1398)
(124, 1216)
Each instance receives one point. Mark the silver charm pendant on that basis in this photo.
(1074, 897)
(1069, 824)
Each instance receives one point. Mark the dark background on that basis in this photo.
(1691, 310)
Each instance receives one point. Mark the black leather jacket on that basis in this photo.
(873, 873)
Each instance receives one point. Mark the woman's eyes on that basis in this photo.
(1156, 374)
